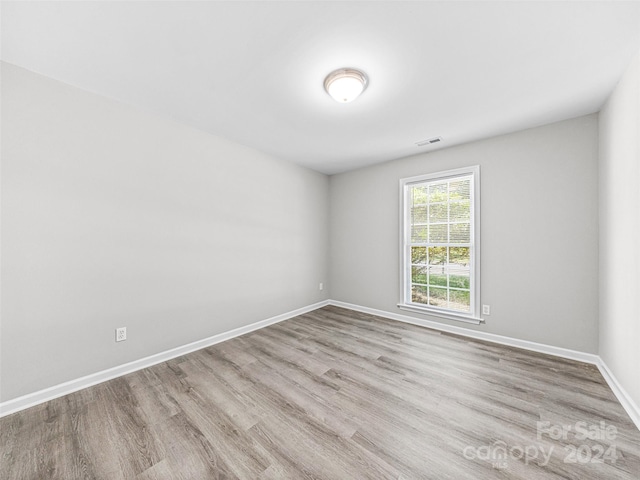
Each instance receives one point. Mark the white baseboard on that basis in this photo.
(466, 332)
(41, 396)
(626, 401)
(621, 394)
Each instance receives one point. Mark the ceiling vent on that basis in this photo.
(431, 141)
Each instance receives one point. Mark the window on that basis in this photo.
(441, 244)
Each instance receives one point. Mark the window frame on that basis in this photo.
(405, 244)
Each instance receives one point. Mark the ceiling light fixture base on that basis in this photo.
(345, 84)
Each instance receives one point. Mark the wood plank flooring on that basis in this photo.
(332, 394)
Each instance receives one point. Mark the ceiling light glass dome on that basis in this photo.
(345, 84)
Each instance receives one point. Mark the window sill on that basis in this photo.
(438, 313)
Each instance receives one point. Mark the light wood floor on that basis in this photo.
(332, 394)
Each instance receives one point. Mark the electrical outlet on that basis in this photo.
(486, 309)
(121, 334)
(321, 286)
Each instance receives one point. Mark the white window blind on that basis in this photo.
(440, 243)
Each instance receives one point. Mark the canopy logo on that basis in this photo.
(499, 452)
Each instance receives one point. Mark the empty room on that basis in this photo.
(320, 240)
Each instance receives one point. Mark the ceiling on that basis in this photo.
(253, 71)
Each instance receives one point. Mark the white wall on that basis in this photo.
(620, 232)
(113, 217)
(539, 227)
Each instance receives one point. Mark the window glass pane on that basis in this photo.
(419, 195)
(418, 255)
(438, 233)
(438, 297)
(419, 275)
(459, 233)
(459, 256)
(460, 189)
(459, 211)
(437, 255)
(438, 212)
(459, 279)
(438, 192)
(419, 214)
(460, 300)
(419, 234)
(437, 276)
(419, 294)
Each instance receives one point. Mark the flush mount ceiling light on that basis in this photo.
(345, 84)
